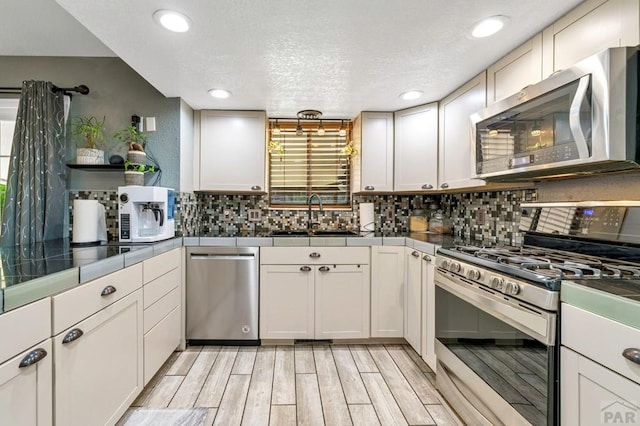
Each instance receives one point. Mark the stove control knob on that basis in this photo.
(445, 264)
(497, 283)
(454, 267)
(511, 288)
(473, 274)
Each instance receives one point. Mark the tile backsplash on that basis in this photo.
(487, 216)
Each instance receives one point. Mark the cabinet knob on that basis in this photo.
(444, 185)
(426, 258)
(415, 254)
(74, 334)
(33, 357)
(314, 255)
(369, 188)
(108, 290)
(305, 268)
(323, 269)
(427, 186)
(632, 354)
(256, 188)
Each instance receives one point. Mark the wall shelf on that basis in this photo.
(101, 167)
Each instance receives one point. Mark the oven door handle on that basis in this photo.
(452, 381)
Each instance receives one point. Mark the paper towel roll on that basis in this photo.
(85, 221)
(367, 220)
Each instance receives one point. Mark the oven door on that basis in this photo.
(497, 358)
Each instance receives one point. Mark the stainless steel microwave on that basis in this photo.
(581, 120)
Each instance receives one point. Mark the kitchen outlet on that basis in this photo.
(255, 215)
(481, 217)
(227, 215)
(390, 213)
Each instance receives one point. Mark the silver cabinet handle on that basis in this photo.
(108, 290)
(369, 188)
(444, 185)
(427, 186)
(74, 334)
(426, 258)
(256, 188)
(314, 255)
(323, 269)
(305, 268)
(33, 357)
(632, 354)
(415, 254)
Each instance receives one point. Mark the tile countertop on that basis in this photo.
(44, 269)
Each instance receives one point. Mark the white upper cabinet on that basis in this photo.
(416, 148)
(456, 149)
(593, 26)
(520, 68)
(373, 131)
(231, 155)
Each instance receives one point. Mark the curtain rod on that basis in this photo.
(82, 89)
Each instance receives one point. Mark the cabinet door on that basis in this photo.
(416, 148)
(286, 302)
(100, 373)
(429, 310)
(232, 151)
(387, 291)
(377, 151)
(593, 395)
(589, 28)
(342, 302)
(413, 304)
(26, 393)
(456, 149)
(520, 68)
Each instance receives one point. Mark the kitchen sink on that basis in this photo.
(334, 233)
(290, 233)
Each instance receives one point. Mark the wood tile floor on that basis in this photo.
(289, 385)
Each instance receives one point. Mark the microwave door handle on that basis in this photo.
(574, 117)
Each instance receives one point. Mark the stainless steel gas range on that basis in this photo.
(497, 308)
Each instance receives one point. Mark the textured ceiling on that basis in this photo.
(338, 56)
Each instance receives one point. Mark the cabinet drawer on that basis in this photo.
(160, 342)
(24, 327)
(160, 265)
(75, 305)
(600, 339)
(160, 309)
(307, 255)
(157, 288)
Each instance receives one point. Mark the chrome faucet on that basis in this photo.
(310, 223)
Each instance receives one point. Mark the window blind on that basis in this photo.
(300, 165)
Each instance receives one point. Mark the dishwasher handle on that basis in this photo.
(234, 256)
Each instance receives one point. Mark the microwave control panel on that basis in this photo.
(547, 155)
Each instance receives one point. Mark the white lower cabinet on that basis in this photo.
(387, 291)
(429, 310)
(342, 302)
(324, 299)
(286, 302)
(594, 395)
(413, 304)
(26, 388)
(99, 365)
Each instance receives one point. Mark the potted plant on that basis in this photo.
(134, 173)
(91, 131)
(135, 140)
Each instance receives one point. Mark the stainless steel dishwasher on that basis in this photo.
(222, 295)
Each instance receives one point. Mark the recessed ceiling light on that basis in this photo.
(411, 95)
(172, 20)
(489, 26)
(220, 93)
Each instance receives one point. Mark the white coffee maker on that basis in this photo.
(145, 213)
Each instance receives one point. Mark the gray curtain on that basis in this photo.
(34, 205)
